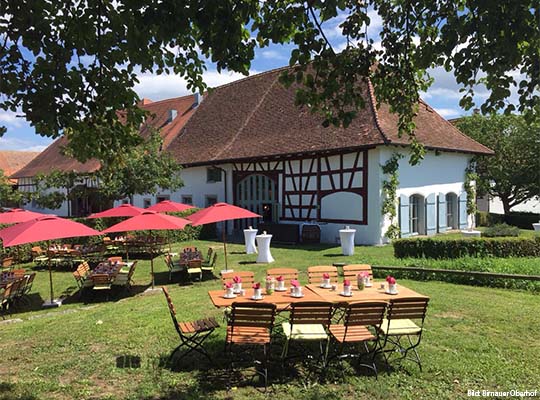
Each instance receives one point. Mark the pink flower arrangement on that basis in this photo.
(326, 275)
(363, 274)
(228, 285)
(391, 280)
(256, 285)
(269, 278)
(279, 278)
(295, 283)
(346, 282)
(237, 279)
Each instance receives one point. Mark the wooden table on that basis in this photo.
(368, 294)
(281, 299)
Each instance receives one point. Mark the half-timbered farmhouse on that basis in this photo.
(247, 143)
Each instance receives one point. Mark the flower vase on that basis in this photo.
(360, 283)
(237, 287)
(257, 293)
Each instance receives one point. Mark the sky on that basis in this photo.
(443, 95)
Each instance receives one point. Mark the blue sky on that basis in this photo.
(443, 95)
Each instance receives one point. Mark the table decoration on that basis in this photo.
(296, 289)
(280, 284)
(326, 281)
(257, 292)
(229, 291)
(347, 288)
(237, 284)
(270, 284)
(392, 285)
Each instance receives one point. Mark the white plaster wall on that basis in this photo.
(62, 211)
(532, 206)
(442, 173)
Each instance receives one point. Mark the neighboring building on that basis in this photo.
(248, 144)
(12, 161)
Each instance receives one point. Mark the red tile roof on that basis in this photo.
(11, 161)
(257, 117)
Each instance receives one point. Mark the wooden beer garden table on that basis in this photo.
(314, 292)
(374, 293)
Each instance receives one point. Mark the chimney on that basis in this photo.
(198, 98)
(146, 101)
(172, 116)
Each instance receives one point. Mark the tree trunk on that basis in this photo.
(506, 205)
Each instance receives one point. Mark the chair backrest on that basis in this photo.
(247, 277)
(409, 308)
(15, 286)
(8, 290)
(351, 271)
(253, 314)
(113, 260)
(209, 254)
(194, 263)
(172, 310)
(189, 249)
(78, 277)
(214, 260)
(37, 251)
(311, 312)
(101, 279)
(365, 313)
(7, 262)
(18, 273)
(168, 261)
(315, 273)
(287, 273)
(131, 271)
(30, 281)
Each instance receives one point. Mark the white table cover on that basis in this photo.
(249, 239)
(346, 237)
(263, 243)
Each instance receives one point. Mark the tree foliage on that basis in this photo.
(142, 169)
(8, 196)
(513, 173)
(69, 65)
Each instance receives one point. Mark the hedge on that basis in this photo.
(481, 247)
(522, 220)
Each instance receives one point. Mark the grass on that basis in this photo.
(476, 338)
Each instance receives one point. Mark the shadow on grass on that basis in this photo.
(31, 302)
(9, 391)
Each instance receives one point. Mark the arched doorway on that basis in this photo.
(257, 193)
(417, 215)
(452, 211)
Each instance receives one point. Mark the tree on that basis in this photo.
(143, 169)
(68, 66)
(8, 196)
(513, 173)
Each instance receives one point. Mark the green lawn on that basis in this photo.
(476, 338)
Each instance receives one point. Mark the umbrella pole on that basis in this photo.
(50, 273)
(225, 248)
(152, 267)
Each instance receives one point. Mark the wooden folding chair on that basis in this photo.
(101, 282)
(115, 259)
(351, 271)
(248, 277)
(362, 322)
(287, 273)
(208, 267)
(249, 326)
(400, 324)
(173, 266)
(192, 334)
(315, 274)
(194, 268)
(125, 279)
(308, 321)
(6, 298)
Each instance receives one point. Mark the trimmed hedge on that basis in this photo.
(501, 230)
(522, 220)
(481, 247)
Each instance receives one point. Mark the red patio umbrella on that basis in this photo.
(220, 212)
(45, 228)
(169, 206)
(18, 215)
(124, 210)
(149, 220)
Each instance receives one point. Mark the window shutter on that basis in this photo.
(463, 211)
(404, 216)
(431, 214)
(442, 212)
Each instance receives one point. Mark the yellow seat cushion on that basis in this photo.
(305, 331)
(400, 327)
(194, 270)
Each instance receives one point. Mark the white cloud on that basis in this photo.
(449, 112)
(272, 55)
(9, 142)
(159, 87)
(12, 119)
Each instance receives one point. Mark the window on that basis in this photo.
(413, 214)
(125, 201)
(451, 211)
(210, 200)
(147, 203)
(213, 175)
(162, 197)
(188, 199)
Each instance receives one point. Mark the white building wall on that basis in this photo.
(532, 206)
(442, 173)
(26, 185)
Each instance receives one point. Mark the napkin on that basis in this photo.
(295, 283)
(391, 280)
(256, 285)
(279, 278)
(346, 282)
(326, 276)
(228, 285)
(237, 279)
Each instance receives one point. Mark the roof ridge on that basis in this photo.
(246, 121)
(166, 100)
(257, 75)
(373, 102)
